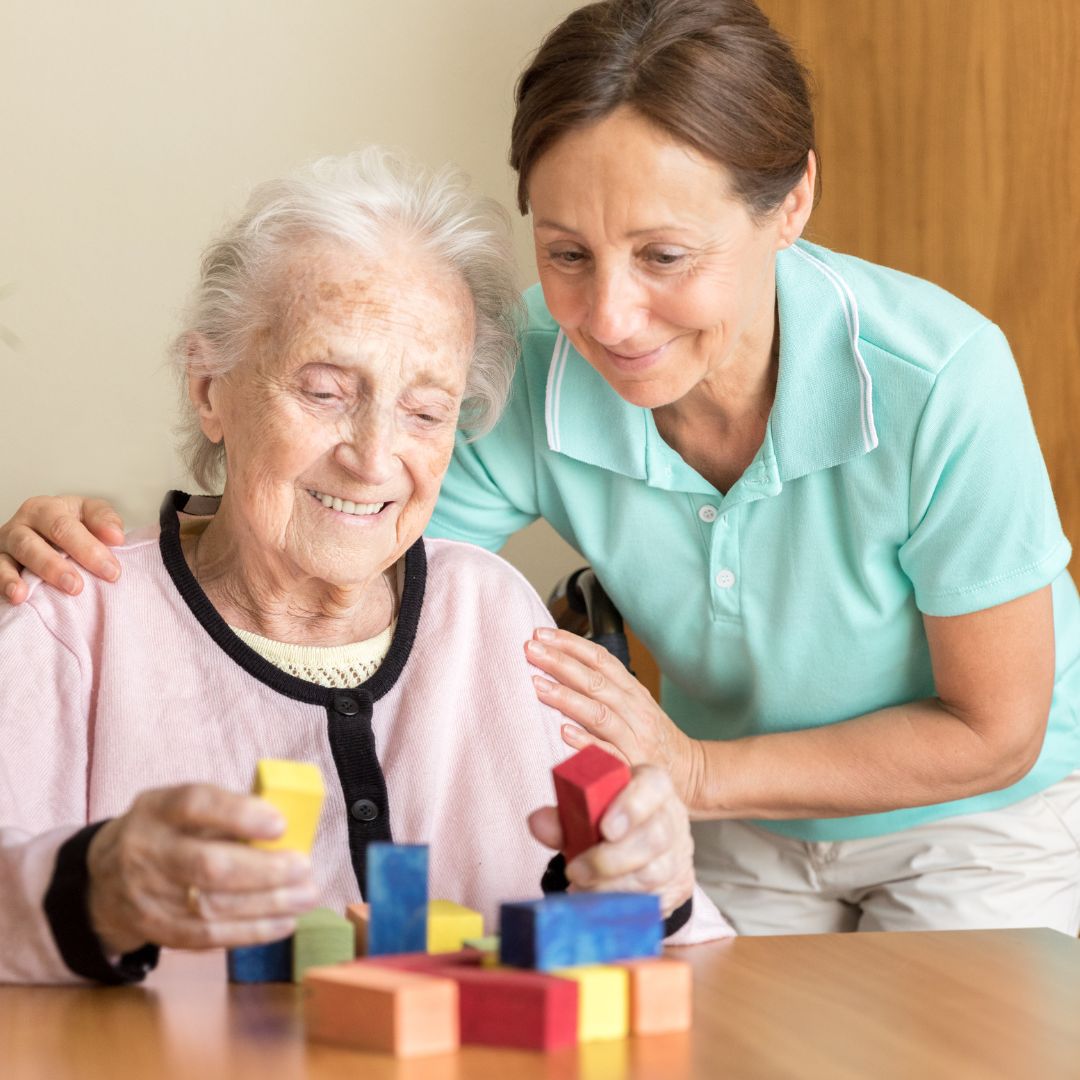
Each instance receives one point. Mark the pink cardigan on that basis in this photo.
(140, 685)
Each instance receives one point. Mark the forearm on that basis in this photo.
(909, 755)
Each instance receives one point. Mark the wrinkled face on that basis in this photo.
(659, 276)
(339, 426)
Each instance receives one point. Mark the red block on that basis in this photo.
(584, 786)
(527, 1010)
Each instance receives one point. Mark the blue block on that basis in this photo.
(397, 890)
(261, 963)
(570, 929)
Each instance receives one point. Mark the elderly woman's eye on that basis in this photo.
(321, 395)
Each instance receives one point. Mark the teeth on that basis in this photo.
(346, 506)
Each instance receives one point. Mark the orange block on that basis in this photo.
(661, 995)
(360, 916)
(381, 1009)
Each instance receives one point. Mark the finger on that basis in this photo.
(649, 791)
(103, 521)
(544, 825)
(649, 852)
(575, 736)
(596, 717)
(283, 902)
(194, 933)
(190, 807)
(579, 664)
(12, 586)
(62, 522)
(223, 866)
(32, 551)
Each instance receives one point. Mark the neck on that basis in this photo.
(267, 595)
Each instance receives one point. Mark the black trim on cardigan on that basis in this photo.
(349, 712)
(556, 881)
(66, 908)
(388, 673)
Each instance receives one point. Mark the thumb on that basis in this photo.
(544, 825)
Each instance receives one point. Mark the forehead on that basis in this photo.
(405, 294)
(625, 165)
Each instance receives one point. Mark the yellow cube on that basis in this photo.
(603, 1000)
(449, 924)
(296, 789)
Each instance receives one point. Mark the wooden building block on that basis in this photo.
(604, 1002)
(585, 784)
(261, 963)
(661, 995)
(397, 891)
(449, 924)
(296, 789)
(488, 947)
(569, 929)
(504, 1006)
(371, 1007)
(360, 916)
(322, 937)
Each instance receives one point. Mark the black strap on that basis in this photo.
(67, 909)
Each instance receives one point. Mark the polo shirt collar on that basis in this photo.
(823, 413)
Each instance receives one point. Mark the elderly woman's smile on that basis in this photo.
(337, 425)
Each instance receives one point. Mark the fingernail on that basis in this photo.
(573, 735)
(615, 826)
(109, 571)
(9, 592)
(545, 633)
(68, 583)
(543, 685)
(534, 648)
(301, 896)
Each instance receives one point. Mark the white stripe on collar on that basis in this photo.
(851, 318)
(554, 390)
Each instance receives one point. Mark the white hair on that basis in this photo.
(366, 200)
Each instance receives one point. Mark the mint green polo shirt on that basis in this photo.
(900, 475)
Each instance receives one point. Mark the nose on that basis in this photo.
(367, 448)
(618, 307)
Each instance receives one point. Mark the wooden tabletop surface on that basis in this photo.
(1002, 1003)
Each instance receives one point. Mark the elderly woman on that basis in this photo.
(338, 331)
(810, 483)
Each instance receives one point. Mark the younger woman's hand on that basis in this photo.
(79, 527)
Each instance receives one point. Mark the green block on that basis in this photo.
(322, 937)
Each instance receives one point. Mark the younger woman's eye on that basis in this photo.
(664, 257)
(568, 258)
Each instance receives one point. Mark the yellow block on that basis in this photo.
(603, 1000)
(296, 789)
(449, 924)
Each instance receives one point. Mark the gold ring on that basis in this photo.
(194, 901)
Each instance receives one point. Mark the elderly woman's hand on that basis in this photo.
(79, 527)
(174, 871)
(646, 845)
(611, 708)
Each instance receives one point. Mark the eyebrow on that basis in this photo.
(547, 223)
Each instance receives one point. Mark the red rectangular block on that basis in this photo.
(585, 784)
(527, 1010)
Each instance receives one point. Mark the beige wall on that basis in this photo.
(129, 128)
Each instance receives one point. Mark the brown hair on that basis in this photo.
(712, 73)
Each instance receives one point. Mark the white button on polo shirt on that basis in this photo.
(708, 513)
(725, 579)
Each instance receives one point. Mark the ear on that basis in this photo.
(798, 203)
(199, 355)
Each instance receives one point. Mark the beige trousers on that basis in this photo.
(1014, 867)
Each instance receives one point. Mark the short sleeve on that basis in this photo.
(489, 491)
(985, 529)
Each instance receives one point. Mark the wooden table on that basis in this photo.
(869, 1006)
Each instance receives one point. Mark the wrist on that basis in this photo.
(101, 899)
